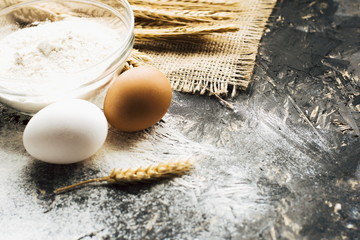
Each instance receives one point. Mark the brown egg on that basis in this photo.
(137, 99)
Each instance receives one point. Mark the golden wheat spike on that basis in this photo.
(178, 32)
(179, 16)
(141, 174)
(136, 59)
(221, 5)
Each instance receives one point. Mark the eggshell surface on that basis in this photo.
(66, 132)
(137, 99)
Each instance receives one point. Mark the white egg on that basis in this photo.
(66, 132)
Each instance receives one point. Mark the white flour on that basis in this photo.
(70, 45)
(49, 58)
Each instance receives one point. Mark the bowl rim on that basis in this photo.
(126, 43)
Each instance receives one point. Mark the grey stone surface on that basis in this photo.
(283, 164)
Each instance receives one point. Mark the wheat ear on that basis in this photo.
(180, 16)
(136, 59)
(193, 5)
(139, 175)
(178, 32)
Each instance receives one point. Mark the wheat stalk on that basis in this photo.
(178, 16)
(139, 175)
(40, 12)
(136, 59)
(33, 14)
(222, 5)
(177, 32)
(206, 17)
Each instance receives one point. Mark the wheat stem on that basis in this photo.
(62, 189)
(179, 16)
(136, 59)
(193, 5)
(174, 18)
(178, 32)
(141, 174)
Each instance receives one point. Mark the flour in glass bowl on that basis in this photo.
(52, 56)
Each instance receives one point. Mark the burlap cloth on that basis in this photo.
(223, 63)
(220, 63)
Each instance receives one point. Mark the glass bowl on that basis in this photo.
(28, 86)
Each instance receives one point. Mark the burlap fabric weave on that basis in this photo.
(223, 63)
(219, 63)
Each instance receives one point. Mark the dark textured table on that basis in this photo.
(283, 164)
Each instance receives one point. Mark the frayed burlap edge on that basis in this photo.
(223, 64)
(253, 32)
